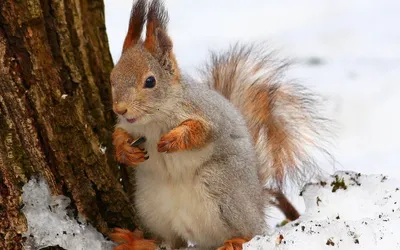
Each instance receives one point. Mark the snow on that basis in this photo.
(364, 213)
(50, 222)
(364, 216)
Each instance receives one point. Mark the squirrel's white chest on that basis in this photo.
(170, 197)
(183, 209)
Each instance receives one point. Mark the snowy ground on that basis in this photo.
(50, 223)
(363, 213)
(346, 211)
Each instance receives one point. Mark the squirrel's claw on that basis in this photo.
(131, 156)
(162, 146)
(131, 240)
(127, 150)
(172, 141)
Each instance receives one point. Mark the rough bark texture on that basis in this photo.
(55, 112)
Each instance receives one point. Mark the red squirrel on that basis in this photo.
(213, 153)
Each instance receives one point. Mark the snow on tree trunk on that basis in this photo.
(55, 112)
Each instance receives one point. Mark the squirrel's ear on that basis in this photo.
(157, 18)
(157, 42)
(136, 23)
(164, 53)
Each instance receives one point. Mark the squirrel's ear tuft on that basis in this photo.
(157, 42)
(157, 18)
(136, 23)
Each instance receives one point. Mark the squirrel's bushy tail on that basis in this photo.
(283, 118)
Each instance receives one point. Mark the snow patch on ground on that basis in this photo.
(49, 222)
(363, 213)
(346, 211)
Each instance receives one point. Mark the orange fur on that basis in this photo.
(190, 134)
(125, 153)
(234, 244)
(283, 149)
(131, 240)
(136, 22)
(157, 18)
(151, 43)
(283, 118)
(157, 42)
(154, 21)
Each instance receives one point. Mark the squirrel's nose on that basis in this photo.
(120, 109)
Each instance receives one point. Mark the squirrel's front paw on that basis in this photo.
(127, 150)
(190, 134)
(172, 141)
(130, 155)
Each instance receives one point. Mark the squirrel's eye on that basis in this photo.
(150, 82)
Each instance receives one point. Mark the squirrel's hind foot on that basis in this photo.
(234, 244)
(131, 240)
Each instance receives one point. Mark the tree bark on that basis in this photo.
(55, 112)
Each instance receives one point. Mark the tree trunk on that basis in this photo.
(55, 112)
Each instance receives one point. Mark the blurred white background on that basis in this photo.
(346, 50)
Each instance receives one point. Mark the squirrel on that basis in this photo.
(210, 155)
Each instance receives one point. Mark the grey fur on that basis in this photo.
(231, 173)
